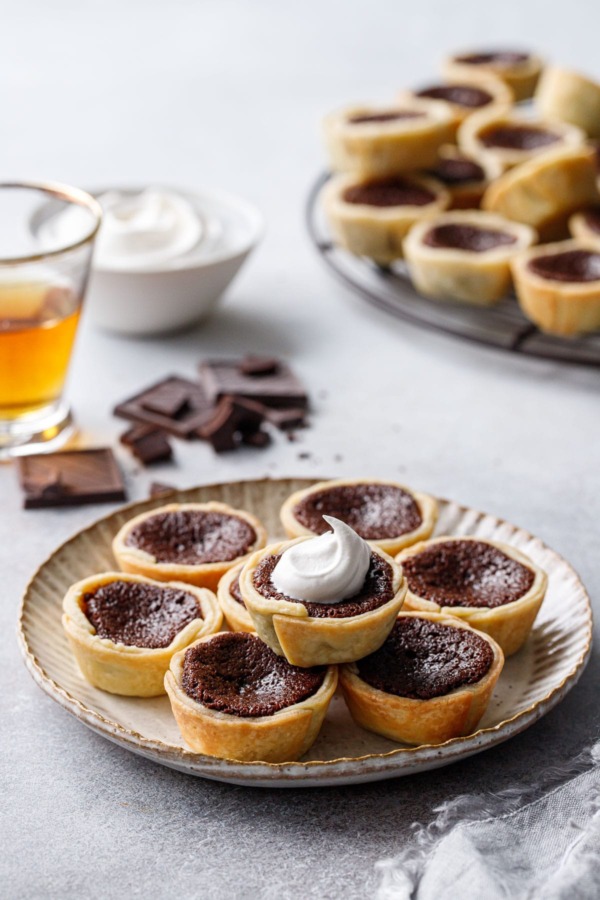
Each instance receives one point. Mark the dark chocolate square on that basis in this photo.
(70, 478)
(280, 388)
(185, 400)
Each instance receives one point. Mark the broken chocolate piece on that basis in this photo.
(160, 489)
(234, 419)
(152, 448)
(70, 478)
(281, 388)
(257, 366)
(169, 394)
(258, 438)
(290, 417)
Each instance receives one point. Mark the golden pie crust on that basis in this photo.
(472, 131)
(581, 231)
(133, 559)
(564, 308)
(509, 625)
(376, 231)
(120, 668)
(377, 149)
(570, 97)
(281, 737)
(521, 77)
(427, 508)
(304, 640)
(543, 192)
(237, 616)
(413, 721)
(447, 273)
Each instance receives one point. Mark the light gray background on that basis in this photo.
(230, 94)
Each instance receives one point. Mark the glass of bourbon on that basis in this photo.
(43, 276)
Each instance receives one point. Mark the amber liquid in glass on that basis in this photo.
(37, 329)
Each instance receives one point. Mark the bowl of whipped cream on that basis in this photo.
(163, 257)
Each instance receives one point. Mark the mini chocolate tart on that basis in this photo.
(558, 287)
(124, 629)
(488, 584)
(509, 140)
(543, 192)
(466, 97)
(570, 97)
(234, 698)
(192, 542)
(387, 514)
(429, 682)
(374, 142)
(519, 71)
(372, 217)
(465, 179)
(232, 604)
(314, 634)
(585, 227)
(465, 255)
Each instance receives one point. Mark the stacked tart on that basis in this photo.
(415, 627)
(400, 170)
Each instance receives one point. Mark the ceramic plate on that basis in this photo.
(532, 682)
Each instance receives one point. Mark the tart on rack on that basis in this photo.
(519, 70)
(490, 585)
(430, 681)
(465, 255)
(465, 179)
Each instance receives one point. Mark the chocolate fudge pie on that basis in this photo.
(546, 190)
(431, 681)
(192, 542)
(558, 287)
(465, 179)
(465, 255)
(570, 97)
(124, 629)
(387, 514)
(232, 604)
(492, 586)
(518, 70)
(321, 600)
(585, 227)
(373, 142)
(371, 217)
(234, 698)
(510, 140)
(465, 97)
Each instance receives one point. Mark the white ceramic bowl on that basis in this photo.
(186, 290)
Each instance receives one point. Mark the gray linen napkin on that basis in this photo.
(507, 845)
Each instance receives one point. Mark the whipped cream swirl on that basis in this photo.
(324, 569)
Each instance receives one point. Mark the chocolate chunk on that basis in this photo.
(258, 438)
(148, 444)
(282, 388)
(160, 489)
(284, 419)
(70, 478)
(220, 430)
(169, 394)
(257, 366)
(235, 420)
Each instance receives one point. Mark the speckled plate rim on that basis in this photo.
(311, 773)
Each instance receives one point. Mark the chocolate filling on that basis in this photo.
(517, 137)
(422, 659)
(592, 219)
(235, 673)
(192, 537)
(377, 589)
(467, 237)
(461, 94)
(235, 592)
(498, 57)
(374, 511)
(139, 614)
(466, 573)
(394, 115)
(457, 170)
(570, 266)
(389, 192)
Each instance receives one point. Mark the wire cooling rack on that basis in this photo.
(503, 326)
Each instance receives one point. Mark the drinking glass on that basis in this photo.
(47, 234)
